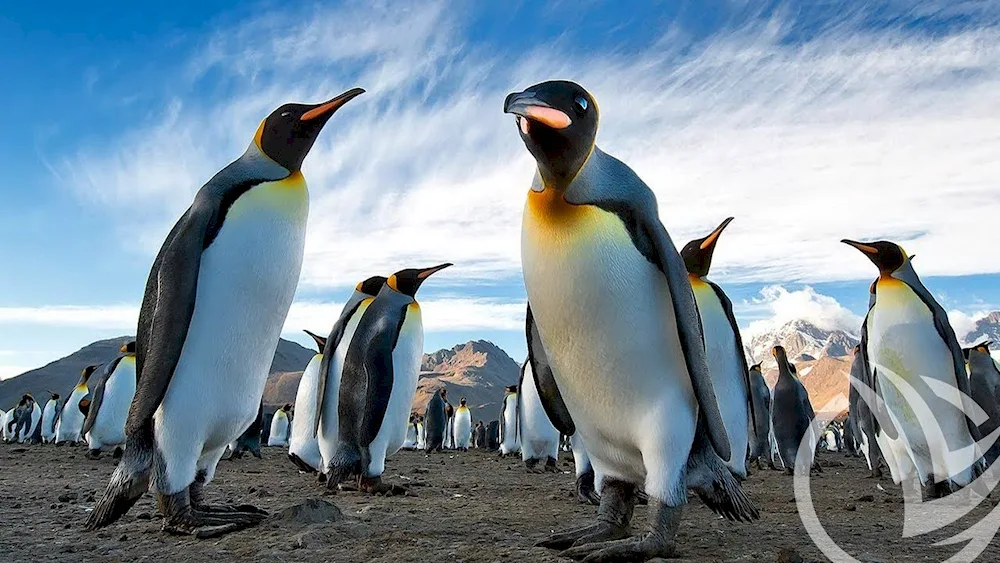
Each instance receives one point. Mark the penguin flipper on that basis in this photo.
(329, 351)
(717, 487)
(727, 307)
(98, 397)
(545, 383)
(129, 481)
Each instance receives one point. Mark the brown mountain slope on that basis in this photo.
(826, 380)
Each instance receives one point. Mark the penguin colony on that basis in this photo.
(635, 361)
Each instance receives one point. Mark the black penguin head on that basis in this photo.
(287, 408)
(782, 358)
(371, 286)
(87, 372)
(888, 256)
(129, 348)
(444, 393)
(53, 396)
(26, 399)
(756, 367)
(697, 254)
(289, 132)
(557, 121)
(511, 388)
(319, 340)
(408, 281)
(462, 402)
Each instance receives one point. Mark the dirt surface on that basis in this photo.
(470, 507)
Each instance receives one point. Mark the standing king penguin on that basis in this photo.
(216, 298)
(863, 421)
(50, 415)
(724, 348)
(281, 426)
(509, 443)
(379, 379)
(760, 444)
(462, 428)
(984, 382)
(908, 340)
(332, 365)
(539, 438)
(105, 423)
(791, 413)
(435, 421)
(617, 321)
(74, 411)
(303, 447)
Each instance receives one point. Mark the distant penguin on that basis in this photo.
(110, 402)
(509, 443)
(435, 421)
(865, 425)
(908, 339)
(218, 294)
(5, 418)
(723, 347)
(760, 444)
(410, 443)
(539, 439)
(73, 414)
(831, 440)
(27, 419)
(493, 436)
(791, 413)
(984, 381)
(462, 426)
(479, 435)
(379, 380)
(280, 427)
(586, 490)
(449, 424)
(249, 440)
(332, 365)
(421, 433)
(50, 415)
(303, 445)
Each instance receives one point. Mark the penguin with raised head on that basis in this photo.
(281, 427)
(723, 346)
(379, 379)
(50, 416)
(449, 421)
(791, 413)
(74, 410)
(539, 438)
(434, 423)
(5, 418)
(462, 426)
(332, 365)
(618, 323)
(509, 443)
(303, 446)
(864, 423)
(984, 382)
(249, 440)
(760, 444)
(216, 299)
(908, 341)
(110, 402)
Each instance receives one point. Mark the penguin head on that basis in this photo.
(320, 341)
(697, 254)
(557, 121)
(511, 388)
(462, 402)
(53, 396)
(444, 392)
(128, 348)
(287, 408)
(371, 286)
(408, 281)
(756, 367)
(856, 350)
(26, 399)
(289, 132)
(887, 256)
(87, 372)
(782, 358)
(978, 357)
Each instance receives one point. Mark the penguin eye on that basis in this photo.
(580, 105)
(286, 113)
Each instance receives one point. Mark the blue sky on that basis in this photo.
(808, 122)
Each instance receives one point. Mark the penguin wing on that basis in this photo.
(607, 183)
(727, 307)
(329, 352)
(98, 397)
(503, 423)
(545, 383)
(877, 411)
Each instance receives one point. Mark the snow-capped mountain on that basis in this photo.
(802, 340)
(987, 328)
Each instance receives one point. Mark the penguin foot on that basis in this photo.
(659, 542)
(595, 533)
(613, 519)
(117, 454)
(550, 466)
(531, 465)
(181, 518)
(93, 454)
(229, 509)
(375, 486)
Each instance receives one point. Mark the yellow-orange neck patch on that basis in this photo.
(392, 283)
(549, 205)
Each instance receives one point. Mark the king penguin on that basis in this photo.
(280, 427)
(760, 442)
(217, 296)
(411, 434)
(332, 365)
(249, 440)
(5, 419)
(50, 416)
(539, 438)
(449, 421)
(723, 346)
(984, 382)
(303, 446)
(864, 423)
(379, 379)
(618, 323)
(27, 419)
(911, 349)
(110, 401)
(74, 410)
(791, 414)
(509, 443)
(462, 427)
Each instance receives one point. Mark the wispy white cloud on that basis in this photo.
(779, 306)
(964, 322)
(97, 317)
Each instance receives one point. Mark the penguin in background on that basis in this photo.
(602, 275)
(203, 349)
(332, 366)
(723, 347)
(509, 443)
(379, 379)
(984, 382)
(479, 435)
(449, 417)
(303, 445)
(760, 443)
(74, 411)
(493, 436)
(5, 418)
(586, 479)
(410, 443)
(280, 427)
(434, 423)
(791, 414)
(539, 439)
(907, 338)
(27, 419)
(462, 426)
(110, 402)
(250, 439)
(421, 433)
(50, 415)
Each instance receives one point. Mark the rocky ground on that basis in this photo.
(468, 507)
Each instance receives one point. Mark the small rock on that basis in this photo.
(419, 470)
(866, 498)
(123, 537)
(789, 556)
(851, 507)
(312, 511)
(67, 497)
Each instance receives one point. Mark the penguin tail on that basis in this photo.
(128, 483)
(717, 487)
(300, 464)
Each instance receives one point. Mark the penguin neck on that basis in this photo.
(389, 294)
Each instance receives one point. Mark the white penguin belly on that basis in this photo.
(902, 340)
(71, 419)
(109, 426)
(246, 283)
(279, 430)
(463, 427)
(303, 441)
(509, 441)
(539, 438)
(48, 421)
(606, 318)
